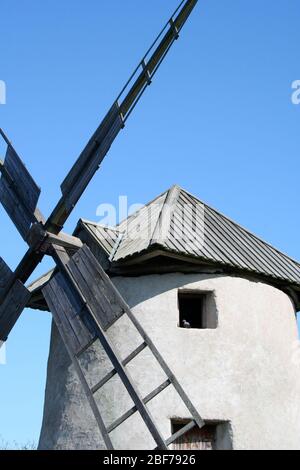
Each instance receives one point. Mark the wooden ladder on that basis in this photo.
(85, 303)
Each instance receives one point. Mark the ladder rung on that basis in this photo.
(155, 392)
(134, 353)
(113, 372)
(103, 381)
(181, 432)
(132, 410)
(86, 347)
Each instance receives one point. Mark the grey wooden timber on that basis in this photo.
(16, 299)
(19, 193)
(91, 157)
(81, 297)
(83, 312)
(79, 176)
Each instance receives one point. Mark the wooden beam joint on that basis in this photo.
(146, 72)
(41, 240)
(174, 29)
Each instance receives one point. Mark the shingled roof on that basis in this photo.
(177, 224)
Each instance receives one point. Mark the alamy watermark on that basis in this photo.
(158, 221)
(2, 92)
(296, 92)
(2, 353)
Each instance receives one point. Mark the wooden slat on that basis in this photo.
(67, 310)
(19, 193)
(18, 214)
(28, 189)
(66, 340)
(57, 310)
(85, 270)
(5, 276)
(85, 254)
(119, 299)
(83, 158)
(60, 257)
(91, 157)
(11, 308)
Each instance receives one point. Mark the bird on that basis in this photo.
(186, 324)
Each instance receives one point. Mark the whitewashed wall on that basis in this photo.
(247, 371)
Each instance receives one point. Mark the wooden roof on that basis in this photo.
(177, 224)
(180, 223)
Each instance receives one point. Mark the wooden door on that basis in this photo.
(195, 439)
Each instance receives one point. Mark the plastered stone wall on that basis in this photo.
(245, 372)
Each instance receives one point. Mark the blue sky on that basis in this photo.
(218, 120)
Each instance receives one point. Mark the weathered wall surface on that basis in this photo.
(246, 371)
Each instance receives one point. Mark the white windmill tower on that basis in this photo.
(218, 303)
(175, 328)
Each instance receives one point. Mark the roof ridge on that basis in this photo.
(131, 216)
(164, 219)
(96, 224)
(116, 246)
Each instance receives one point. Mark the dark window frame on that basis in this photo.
(197, 309)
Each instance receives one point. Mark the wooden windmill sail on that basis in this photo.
(81, 297)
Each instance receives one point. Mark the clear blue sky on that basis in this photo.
(218, 120)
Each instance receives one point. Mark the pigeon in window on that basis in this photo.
(186, 324)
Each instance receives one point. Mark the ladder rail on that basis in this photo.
(93, 323)
(149, 68)
(61, 211)
(148, 52)
(155, 352)
(61, 257)
(105, 431)
(126, 310)
(133, 410)
(129, 97)
(113, 372)
(168, 372)
(89, 394)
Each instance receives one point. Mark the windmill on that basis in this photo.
(81, 297)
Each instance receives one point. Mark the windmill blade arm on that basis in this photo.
(23, 271)
(41, 240)
(93, 154)
(16, 298)
(19, 192)
(154, 57)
